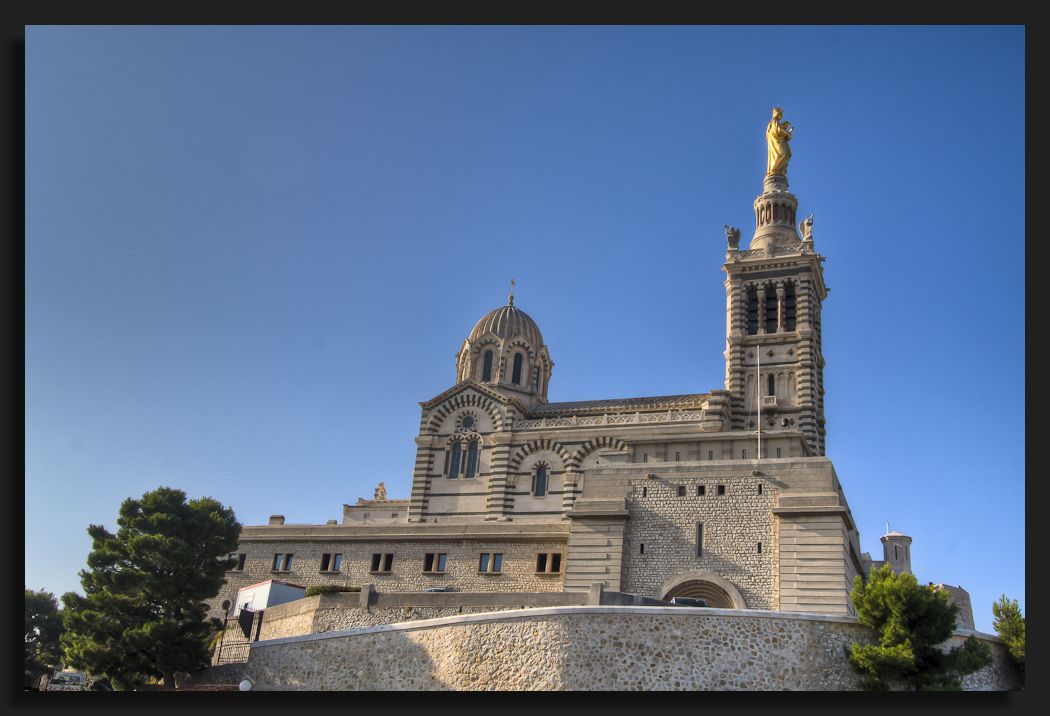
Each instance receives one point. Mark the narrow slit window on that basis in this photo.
(457, 455)
(645, 491)
(516, 374)
(539, 481)
(472, 459)
(486, 370)
(641, 548)
(699, 539)
(771, 387)
(760, 489)
(760, 548)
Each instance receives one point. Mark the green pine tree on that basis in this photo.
(1009, 625)
(43, 632)
(143, 614)
(910, 622)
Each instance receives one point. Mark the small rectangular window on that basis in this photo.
(434, 562)
(760, 489)
(331, 562)
(490, 563)
(699, 539)
(743, 454)
(645, 457)
(710, 454)
(681, 490)
(721, 489)
(282, 562)
(548, 563)
(778, 452)
(239, 567)
(677, 456)
(483, 562)
(382, 562)
(700, 490)
(760, 548)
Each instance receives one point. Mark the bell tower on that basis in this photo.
(774, 292)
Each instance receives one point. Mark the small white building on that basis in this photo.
(256, 597)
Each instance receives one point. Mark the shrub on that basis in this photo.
(910, 622)
(329, 589)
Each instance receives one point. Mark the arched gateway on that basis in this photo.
(710, 587)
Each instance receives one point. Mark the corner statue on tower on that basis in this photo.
(778, 134)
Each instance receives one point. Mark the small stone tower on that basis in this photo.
(896, 552)
(774, 291)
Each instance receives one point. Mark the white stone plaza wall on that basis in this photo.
(585, 648)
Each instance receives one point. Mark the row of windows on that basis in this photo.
(433, 562)
(515, 373)
(701, 490)
(711, 453)
(699, 542)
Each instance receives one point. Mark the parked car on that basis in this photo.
(688, 602)
(67, 681)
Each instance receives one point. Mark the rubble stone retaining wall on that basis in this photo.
(586, 648)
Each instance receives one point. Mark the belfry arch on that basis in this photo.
(713, 589)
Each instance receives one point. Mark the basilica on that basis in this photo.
(725, 496)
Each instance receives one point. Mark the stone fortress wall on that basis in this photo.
(587, 648)
(734, 524)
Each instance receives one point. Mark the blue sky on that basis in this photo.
(252, 251)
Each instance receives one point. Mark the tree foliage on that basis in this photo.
(43, 633)
(1009, 625)
(911, 622)
(143, 614)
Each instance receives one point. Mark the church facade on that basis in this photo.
(725, 496)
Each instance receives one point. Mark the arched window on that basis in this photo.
(515, 377)
(472, 459)
(771, 385)
(539, 480)
(453, 468)
(486, 369)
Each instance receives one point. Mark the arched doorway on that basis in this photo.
(713, 589)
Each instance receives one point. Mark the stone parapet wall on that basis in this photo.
(585, 648)
(334, 612)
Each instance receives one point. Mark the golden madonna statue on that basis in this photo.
(778, 134)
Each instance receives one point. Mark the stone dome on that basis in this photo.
(507, 322)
